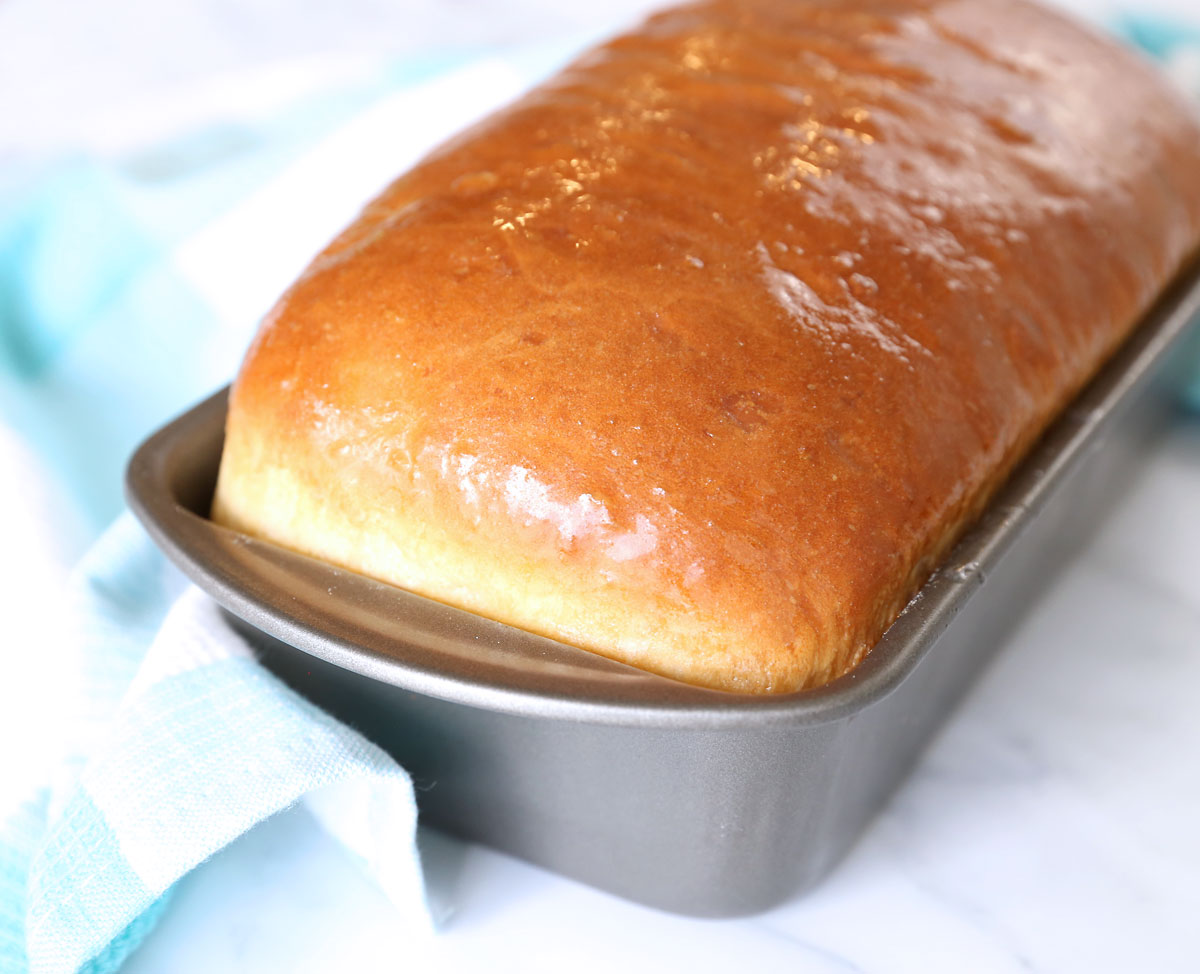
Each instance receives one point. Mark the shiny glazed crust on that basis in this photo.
(702, 354)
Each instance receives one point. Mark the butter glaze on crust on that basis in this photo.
(702, 353)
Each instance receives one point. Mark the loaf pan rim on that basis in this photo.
(660, 701)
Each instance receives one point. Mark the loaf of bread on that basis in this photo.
(701, 354)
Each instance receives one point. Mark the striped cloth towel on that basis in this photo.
(122, 300)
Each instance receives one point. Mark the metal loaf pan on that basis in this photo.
(691, 800)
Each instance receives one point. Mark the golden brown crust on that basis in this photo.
(703, 352)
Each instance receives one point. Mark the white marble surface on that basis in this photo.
(1051, 827)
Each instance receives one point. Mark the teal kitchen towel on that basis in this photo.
(178, 740)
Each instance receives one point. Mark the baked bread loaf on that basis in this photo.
(701, 354)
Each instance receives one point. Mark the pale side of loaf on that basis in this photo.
(701, 354)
